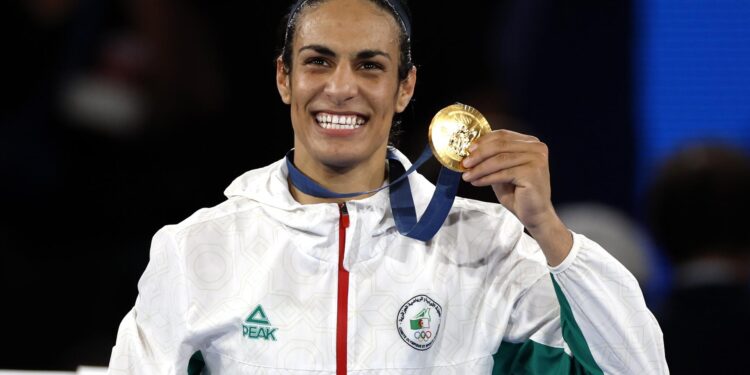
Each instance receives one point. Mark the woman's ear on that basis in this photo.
(282, 82)
(406, 90)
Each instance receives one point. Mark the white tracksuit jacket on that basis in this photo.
(252, 285)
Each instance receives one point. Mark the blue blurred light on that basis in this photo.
(692, 76)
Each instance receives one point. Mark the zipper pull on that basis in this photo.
(344, 215)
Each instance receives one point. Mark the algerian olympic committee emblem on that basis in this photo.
(418, 322)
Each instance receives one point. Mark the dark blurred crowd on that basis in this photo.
(118, 117)
(698, 205)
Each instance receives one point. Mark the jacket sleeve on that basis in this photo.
(587, 316)
(154, 337)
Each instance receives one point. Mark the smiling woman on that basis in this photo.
(340, 75)
(303, 283)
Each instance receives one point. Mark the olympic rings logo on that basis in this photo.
(423, 335)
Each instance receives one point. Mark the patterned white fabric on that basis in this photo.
(260, 247)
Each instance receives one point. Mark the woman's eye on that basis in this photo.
(315, 61)
(369, 65)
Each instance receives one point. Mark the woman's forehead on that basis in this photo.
(342, 23)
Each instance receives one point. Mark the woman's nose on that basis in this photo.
(342, 84)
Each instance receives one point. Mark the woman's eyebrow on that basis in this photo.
(361, 55)
(370, 53)
(321, 49)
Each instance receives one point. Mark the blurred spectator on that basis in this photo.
(615, 231)
(102, 140)
(697, 211)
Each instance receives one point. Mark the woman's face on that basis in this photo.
(343, 87)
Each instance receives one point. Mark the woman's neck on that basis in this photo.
(365, 176)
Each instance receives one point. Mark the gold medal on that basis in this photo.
(452, 131)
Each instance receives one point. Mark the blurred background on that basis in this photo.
(119, 117)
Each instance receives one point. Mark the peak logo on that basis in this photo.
(257, 326)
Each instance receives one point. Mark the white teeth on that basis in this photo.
(328, 121)
(327, 125)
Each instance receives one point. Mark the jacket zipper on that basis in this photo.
(343, 295)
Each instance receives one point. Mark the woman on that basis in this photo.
(275, 280)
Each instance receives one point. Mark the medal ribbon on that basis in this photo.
(402, 202)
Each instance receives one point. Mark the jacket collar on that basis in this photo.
(270, 188)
